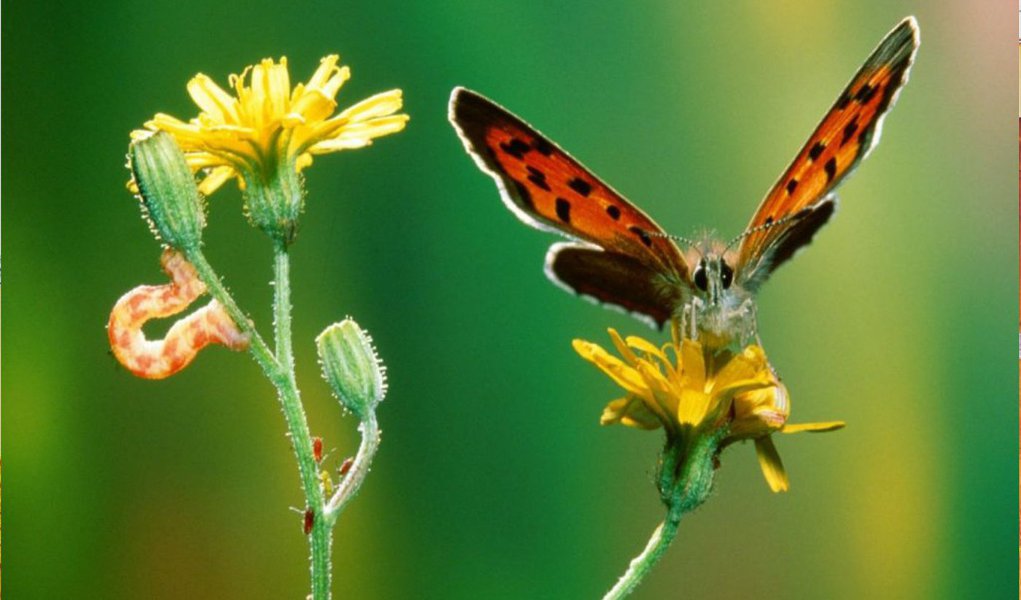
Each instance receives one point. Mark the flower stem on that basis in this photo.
(282, 307)
(257, 346)
(690, 489)
(359, 469)
(279, 369)
(320, 537)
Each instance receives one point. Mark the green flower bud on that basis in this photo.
(171, 202)
(351, 367)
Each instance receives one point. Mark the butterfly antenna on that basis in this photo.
(766, 226)
(677, 238)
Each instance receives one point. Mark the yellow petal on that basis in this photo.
(772, 466)
(650, 371)
(631, 412)
(360, 135)
(313, 106)
(212, 100)
(813, 427)
(746, 403)
(380, 105)
(303, 161)
(177, 127)
(692, 406)
(748, 365)
(336, 81)
(622, 348)
(215, 178)
(644, 346)
(622, 374)
(279, 87)
(693, 364)
(327, 66)
(202, 160)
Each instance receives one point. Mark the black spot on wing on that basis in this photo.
(542, 146)
(791, 186)
(537, 177)
(580, 185)
(849, 132)
(642, 235)
(831, 168)
(843, 100)
(515, 148)
(816, 150)
(613, 211)
(563, 210)
(865, 93)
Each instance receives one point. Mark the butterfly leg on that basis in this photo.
(690, 314)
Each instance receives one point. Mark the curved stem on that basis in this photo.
(359, 468)
(689, 489)
(654, 550)
(257, 346)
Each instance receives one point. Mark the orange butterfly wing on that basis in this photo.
(639, 270)
(547, 189)
(846, 135)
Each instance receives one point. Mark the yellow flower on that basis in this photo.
(698, 391)
(267, 125)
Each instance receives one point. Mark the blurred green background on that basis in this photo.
(494, 479)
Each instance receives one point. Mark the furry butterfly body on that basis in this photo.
(619, 256)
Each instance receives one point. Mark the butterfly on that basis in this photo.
(618, 256)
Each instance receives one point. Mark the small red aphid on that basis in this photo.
(310, 519)
(317, 449)
(345, 466)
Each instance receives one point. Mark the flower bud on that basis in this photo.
(170, 199)
(351, 367)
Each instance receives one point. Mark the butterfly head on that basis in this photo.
(712, 273)
(713, 277)
(720, 306)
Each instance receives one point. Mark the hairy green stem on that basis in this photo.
(279, 369)
(282, 307)
(256, 345)
(359, 468)
(297, 426)
(689, 487)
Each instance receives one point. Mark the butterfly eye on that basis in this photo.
(726, 274)
(700, 278)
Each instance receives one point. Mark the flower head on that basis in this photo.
(691, 390)
(266, 124)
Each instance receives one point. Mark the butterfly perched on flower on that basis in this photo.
(620, 257)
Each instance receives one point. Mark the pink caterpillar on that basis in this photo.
(156, 359)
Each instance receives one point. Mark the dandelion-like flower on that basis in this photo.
(698, 392)
(266, 122)
(266, 133)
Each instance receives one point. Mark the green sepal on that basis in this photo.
(274, 198)
(351, 367)
(171, 202)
